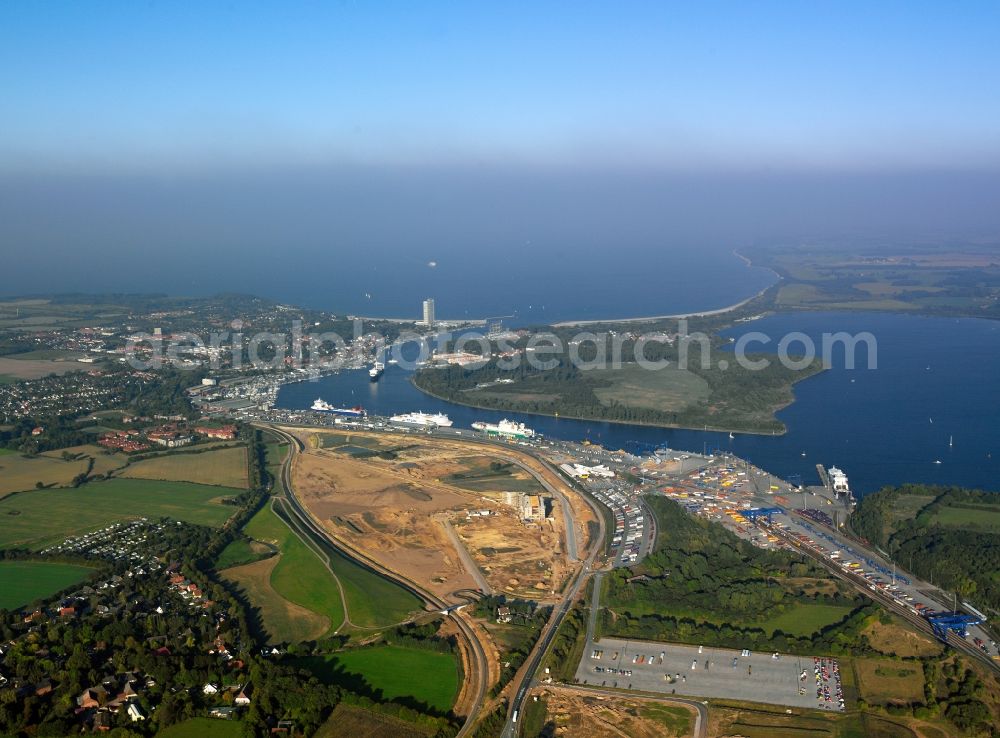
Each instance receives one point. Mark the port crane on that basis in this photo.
(957, 622)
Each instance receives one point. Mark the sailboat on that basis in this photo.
(731, 436)
(951, 441)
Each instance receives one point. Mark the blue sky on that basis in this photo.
(190, 86)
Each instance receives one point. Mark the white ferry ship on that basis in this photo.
(376, 371)
(506, 428)
(433, 420)
(838, 480)
(325, 407)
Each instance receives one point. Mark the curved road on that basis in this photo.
(475, 648)
(521, 686)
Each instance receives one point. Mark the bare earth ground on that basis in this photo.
(578, 715)
(393, 509)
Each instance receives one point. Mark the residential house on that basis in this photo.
(243, 698)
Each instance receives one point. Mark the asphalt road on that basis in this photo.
(478, 654)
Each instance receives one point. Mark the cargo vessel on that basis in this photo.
(323, 406)
(430, 420)
(506, 428)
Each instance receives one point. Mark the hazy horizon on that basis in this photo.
(195, 147)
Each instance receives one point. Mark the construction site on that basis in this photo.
(440, 513)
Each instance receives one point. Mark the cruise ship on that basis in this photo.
(505, 427)
(435, 420)
(376, 371)
(325, 407)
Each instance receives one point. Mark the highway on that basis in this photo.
(522, 684)
(475, 649)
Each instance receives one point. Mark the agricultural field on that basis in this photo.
(806, 619)
(39, 517)
(924, 279)
(887, 681)
(359, 723)
(223, 467)
(591, 716)
(203, 727)
(18, 472)
(104, 461)
(27, 581)
(428, 678)
(38, 368)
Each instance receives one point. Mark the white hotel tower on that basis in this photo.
(429, 312)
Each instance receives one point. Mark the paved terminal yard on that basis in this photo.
(692, 671)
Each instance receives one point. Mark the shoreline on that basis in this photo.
(702, 429)
(678, 316)
(601, 321)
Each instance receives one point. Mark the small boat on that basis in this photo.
(731, 436)
(937, 461)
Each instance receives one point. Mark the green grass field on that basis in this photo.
(27, 581)
(284, 620)
(241, 552)
(7, 452)
(299, 577)
(669, 388)
(203, 727)
(982, 517)
(805, 620)
(427, 677)
(40, 517)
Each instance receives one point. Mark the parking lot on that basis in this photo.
(694, 671)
